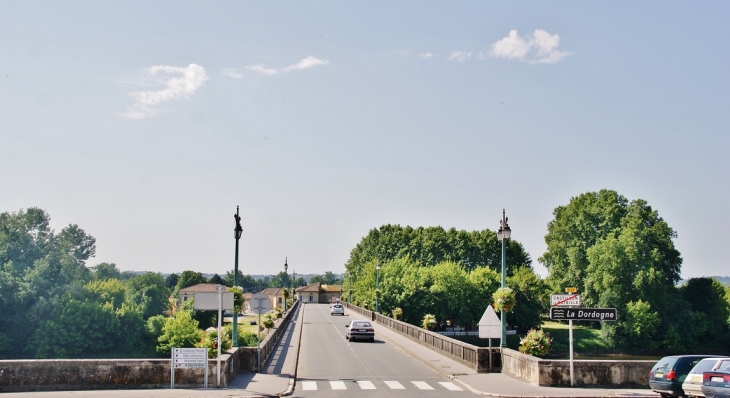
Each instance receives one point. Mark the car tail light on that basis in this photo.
(651, 374)
(671, 375)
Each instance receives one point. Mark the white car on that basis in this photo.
(337, 309)
(692, 385)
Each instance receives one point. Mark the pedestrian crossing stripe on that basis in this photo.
(394, 385)
(338, 385)
(368, 385)
(450, 386)
(422, 385)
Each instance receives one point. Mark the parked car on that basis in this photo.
(716, 383)
(667, 376)
(692, 385)
(337, 309)
(357, 330)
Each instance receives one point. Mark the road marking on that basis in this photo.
(450, 386)
(309, 385)
(338, 385)
(394, 385)
(366, 385)
(422, 385)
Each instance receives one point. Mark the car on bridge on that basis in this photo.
(716, 383)
(360, 330)
(337, 309)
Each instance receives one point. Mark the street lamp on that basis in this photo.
(286, 272)
(503, 234)
(377, 280)
(237, 234)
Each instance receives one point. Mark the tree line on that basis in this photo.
(617, 253)
(54, 306)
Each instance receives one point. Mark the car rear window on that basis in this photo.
(665, 363)
(361, 324)
(704, 366)
(724, 366)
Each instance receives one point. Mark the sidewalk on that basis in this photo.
(279, 372)
(492, 384)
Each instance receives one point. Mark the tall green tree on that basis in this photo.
(148, 294)
(104, 271)
(620, 254)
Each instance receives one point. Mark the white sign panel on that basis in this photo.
(558, 300)
(490, 327)
(209, 301)
(189, 357)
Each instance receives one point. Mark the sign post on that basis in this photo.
(566, 307)
(186, 358)
(215, 301)
(490, 327)
(570, 299)
(261, 305)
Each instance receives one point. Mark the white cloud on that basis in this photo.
(178, 83)
(308, 62)
(538, 48)
(231, 73)
(426, 55)
(261, 69)
(459, 56)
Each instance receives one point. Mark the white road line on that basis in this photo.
(366, 385)
(450, 386)
(422, 385)
(338, 385)
(309, 385)
(394, 385)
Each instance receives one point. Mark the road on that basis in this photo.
(330, 366)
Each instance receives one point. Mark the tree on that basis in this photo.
(171, 281)
(612, 249)
(531, 299)
(706, 297)
(216, 279)
(104, 271)
(148, 293)
(179, 331)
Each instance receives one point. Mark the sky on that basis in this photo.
(148, 122)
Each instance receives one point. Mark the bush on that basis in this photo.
(210, 341)
(268, 322)
(398, 313)
(429, 321)
(536, 343)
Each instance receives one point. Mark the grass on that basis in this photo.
(586, 341)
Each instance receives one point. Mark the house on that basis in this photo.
(319, 293)
(330, 293)
(189, 292)
(276, 296)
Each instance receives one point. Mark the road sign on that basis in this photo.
(260, 303)
(189, 357)
(583, 314)
(571, 290)
(490, 327)
(565, 299)
(209, 301)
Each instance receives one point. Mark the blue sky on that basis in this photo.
(147, 123)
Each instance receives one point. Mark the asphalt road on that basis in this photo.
(330, 366)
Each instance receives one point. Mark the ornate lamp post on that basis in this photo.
(503, 234)
(237, 234)
(286, 282)
(377, 280)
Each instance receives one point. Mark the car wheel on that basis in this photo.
(372, 339)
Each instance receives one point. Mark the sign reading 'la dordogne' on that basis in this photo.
(582, 314)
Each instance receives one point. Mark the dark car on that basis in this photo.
(716, 383)
(360, 330)
(667, 376)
